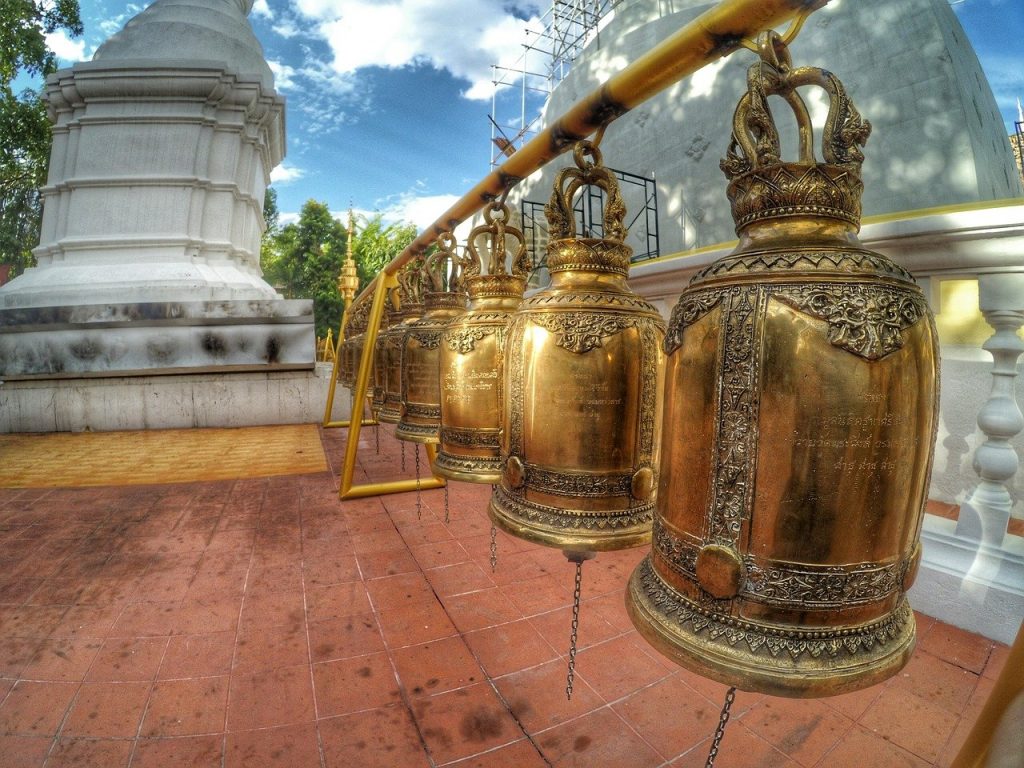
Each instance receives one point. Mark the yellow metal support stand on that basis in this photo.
(346, 490)
(327, 423)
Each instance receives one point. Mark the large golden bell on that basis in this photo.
(380, 359)
(443, 300)
(800, 416)
(583, 375)
(410, 307)
(472, 353)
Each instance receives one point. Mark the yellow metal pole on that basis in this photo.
(711, 36)
(334, 372)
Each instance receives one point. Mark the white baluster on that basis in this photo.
(985, 512)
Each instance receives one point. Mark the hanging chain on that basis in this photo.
(419, 500)
(494, 549)
(447, 518)
(376, 437)
(575, 629)
(403, 457)
(716, 742)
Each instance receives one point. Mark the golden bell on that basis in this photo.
(583, 383)
(472, 353)
(800, 416)
(421, 351)
(380, 360)
(410, 307)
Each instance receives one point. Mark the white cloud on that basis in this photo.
(464, 37)
(284, 75)
(414, 208)
(287, 217)
(286, 174)
(261, 9)
(65, 48)
(286, 28)
(114, 24)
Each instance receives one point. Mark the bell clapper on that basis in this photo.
(578, 558)
(494, 548)
(447, 518)
(419, 499)
(716, 742)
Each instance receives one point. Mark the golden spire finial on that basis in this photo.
(348, 281)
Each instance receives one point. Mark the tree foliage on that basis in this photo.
(24, 127)
(303, 260)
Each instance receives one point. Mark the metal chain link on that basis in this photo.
(447, 518)
(494, 549)
(716, 742)
(419, 499)
(575, 629)
(403, 457)
(376, 437)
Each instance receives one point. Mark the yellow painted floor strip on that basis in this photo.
(73, 460)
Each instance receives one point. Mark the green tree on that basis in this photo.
(303, 260)
(24, 127)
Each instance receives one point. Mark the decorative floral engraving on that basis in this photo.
(463, 340)
(823, 586)
(583, 331)
(577, 483)
(678, 554)
(689, 309)
(427, 339)
(764, 640)
(867, 320)
(649, 333)
(472, 438)
(850, 262)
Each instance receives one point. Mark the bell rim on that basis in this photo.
(489, 472)
(725, 663)
(571, 539)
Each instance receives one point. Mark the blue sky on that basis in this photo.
(388, 99)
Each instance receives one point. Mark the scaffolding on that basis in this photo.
(566, 29)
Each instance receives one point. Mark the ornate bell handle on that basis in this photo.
(495, 234)
(410, 283)
(569, 181)
(755, 138)
(436, 270)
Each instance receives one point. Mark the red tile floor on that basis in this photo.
(260, 622)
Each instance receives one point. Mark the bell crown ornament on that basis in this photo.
(567, 250)
(504, 247)
(410, 289)
(441, 275)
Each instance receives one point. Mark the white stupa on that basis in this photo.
(163, 146)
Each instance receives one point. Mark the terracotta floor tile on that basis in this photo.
(600, 739)
(186, 707)
(329, 567)
(336, 601)
(618, 667)
(62, 659)
(270, 609)
(260, 649)
(24, 751)
(519, 754)
(397, 592)
(378, 541)
(267, 699)
(82, 753)
(193, 751)
(966, 722)
(861, 748)
(355, 635)
(375, 738)
(415, 625)
(458, 579)
(390, 562)
(996, 661)
(37, 621)
(208, 615)
(435, 554)
(537, 698)
(437, 666)
(478, 610)
(427, 532)
(803, 729)
(693, 718)
(855, 704)
(957, 646)
(510, 647)
(740, 748)
(35, 709)
(350, 685)
(936, 681)
(15, 591)
(146, 620)
(556, 626)
(910, 722)
(107, 710)
(15, 654)
(127, 659)
(264, 580)
(290, 746)
(201, 655)
(464, 722)
(611, 608)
